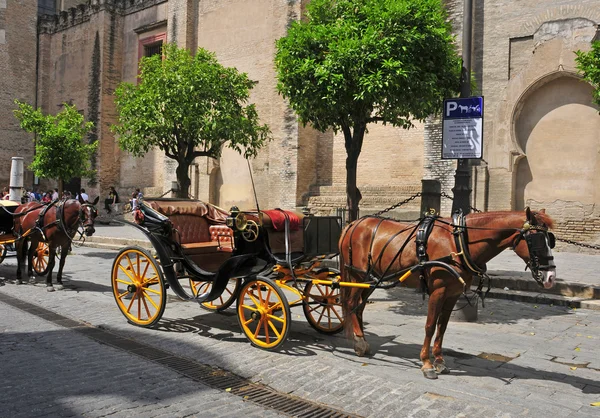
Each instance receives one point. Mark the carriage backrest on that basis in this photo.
(192, 218)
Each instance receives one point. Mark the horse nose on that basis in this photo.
(90, 231)
(550, 279)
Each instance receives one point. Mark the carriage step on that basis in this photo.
(543, 298)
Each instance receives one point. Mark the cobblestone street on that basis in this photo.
(517, 360)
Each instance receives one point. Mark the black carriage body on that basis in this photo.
(320, 238)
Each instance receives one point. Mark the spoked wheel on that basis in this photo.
(322, 306)
(41, 256)
(2, 252)
(222, 302)
(138, 286)
(263, 313)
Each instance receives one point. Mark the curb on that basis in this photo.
(544, 298)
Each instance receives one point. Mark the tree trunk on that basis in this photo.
(352, 196)
(61, 188)
(353, 144)
(183, 178)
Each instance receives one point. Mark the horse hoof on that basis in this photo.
(440, 367)
(429, 374)
(19, 281)
(361, 346)
(32, 280)
(49, 289)
(59, 287)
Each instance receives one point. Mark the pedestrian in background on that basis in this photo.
(113, 197)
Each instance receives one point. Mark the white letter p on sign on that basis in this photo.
(450, 106)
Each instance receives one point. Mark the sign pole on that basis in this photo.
(462, 176)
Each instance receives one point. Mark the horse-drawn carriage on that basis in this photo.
(256, 258)
(8, 239)
(216, 258)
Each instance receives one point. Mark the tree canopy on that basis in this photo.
(354, 63)
(588, 64)
(60, 152)
(188, 106)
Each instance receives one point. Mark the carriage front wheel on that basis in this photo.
(263, 313)
(2, 252)
(138, 286)
(322, 306)
(222, 302)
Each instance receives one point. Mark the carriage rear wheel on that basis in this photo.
(2, 252)
(222, 302)
(41, 256)
(263, 313)
(322, 306)
(138, 286)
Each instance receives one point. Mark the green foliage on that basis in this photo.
(588, 64)
(188, 106)
(60, 152)
(352, 63)
(390, 61)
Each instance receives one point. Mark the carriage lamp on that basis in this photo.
(230, 221)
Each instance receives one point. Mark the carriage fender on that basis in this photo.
(238, 265)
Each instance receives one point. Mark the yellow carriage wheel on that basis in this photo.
(41, 256)
(263, 313)
(322, 306)
(2, 252)
(222, 302)
(138, 286)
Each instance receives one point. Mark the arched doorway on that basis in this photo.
(557, 128)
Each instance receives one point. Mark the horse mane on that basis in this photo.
(487, 216)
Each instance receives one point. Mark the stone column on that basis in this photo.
(16, 179)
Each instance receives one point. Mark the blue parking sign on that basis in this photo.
(462, 133)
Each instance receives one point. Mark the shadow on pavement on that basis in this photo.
(405, 301)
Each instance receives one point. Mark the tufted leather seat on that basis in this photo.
(223, 236)
(193, 221)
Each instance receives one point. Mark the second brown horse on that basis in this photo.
(374, 248)
(55, 224)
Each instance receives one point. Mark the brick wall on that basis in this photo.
(18, 20)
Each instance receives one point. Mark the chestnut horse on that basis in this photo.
(56, 224)
(377, 250)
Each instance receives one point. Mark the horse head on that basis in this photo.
(87, 214)
(534, 245)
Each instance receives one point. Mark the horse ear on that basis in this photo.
(80, 199)
(528, 213)
(96, 200)
(542, 210)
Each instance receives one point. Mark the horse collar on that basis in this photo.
(461, 240)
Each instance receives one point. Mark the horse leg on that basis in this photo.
(32, 249)
(438, 363)
(64, 250)
(51, 262)
(360, 344)
(350, 301)
(21, 248)
(436, 300)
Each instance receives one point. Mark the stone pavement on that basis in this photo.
(578, 283)
(518, 359)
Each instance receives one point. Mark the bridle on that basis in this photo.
(538, 243)
(84, 220)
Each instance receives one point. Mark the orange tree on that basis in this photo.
(60, 152)
(352, 63)
(188, 106)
